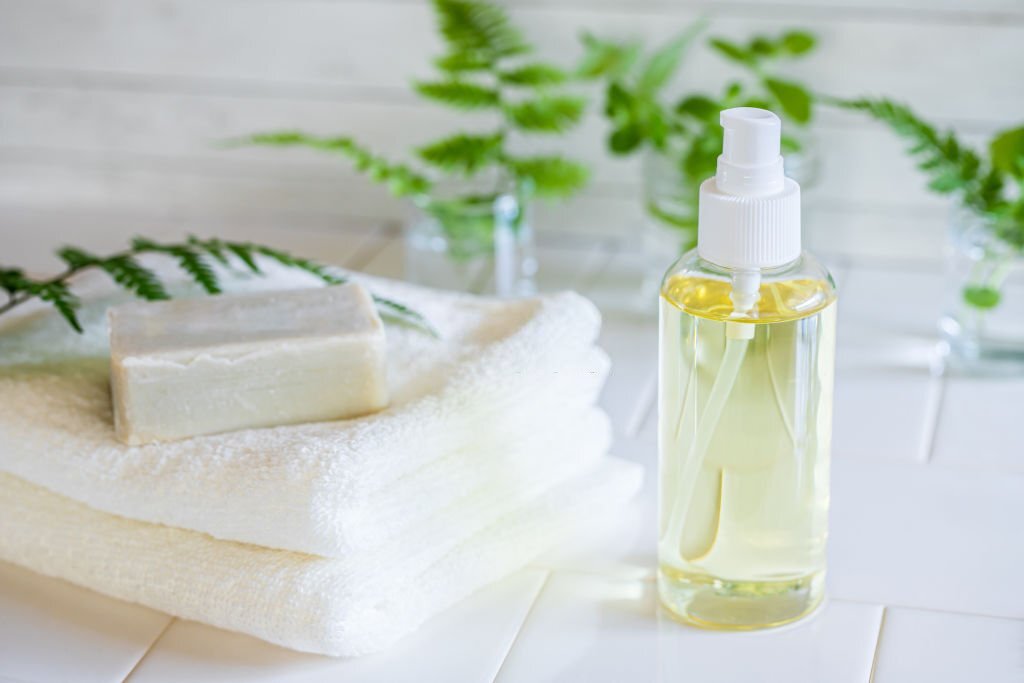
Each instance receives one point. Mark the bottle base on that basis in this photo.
(712, 603)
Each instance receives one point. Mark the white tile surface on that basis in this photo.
(941, 647)
(927, 536)
(594, 629)
(466, 643)
(884, 413)
(53, 631)
(977, 417)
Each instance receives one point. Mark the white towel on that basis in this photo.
(501, 369)
(338, 607)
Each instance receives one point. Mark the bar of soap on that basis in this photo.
(216, 364)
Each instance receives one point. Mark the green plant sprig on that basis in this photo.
(953, 167)
(991, 186)
(688, 130)
(196, 258)
(639, 116)
(486, 68)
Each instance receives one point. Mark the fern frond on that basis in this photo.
(76, 258)
(952, 166)
(142, 282)
(400, 179)
(533, 75)
(546, 114)
(462, 62)
(215, 248)
(13, 280)
(285, 259)
(137, 279)
(551, 176)
(478, 27)
(66, 303)
(462, 153)
(397, 312)
(459, 94)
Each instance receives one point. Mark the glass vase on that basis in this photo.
(983, 325)
(472, 242)
(670, 203)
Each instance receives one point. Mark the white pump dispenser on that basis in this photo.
(745, 397)
(749, 215)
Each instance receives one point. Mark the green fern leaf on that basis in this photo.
(462, 62)
(551, 176)
(66, 303)
(546, 114)
(664, 63)
(397, 312)
(533, 75)
(137, 279)
(76, 258)
(13, 280)
(459, 94)
(794, 100)
(462, 153)
(478, 28)
(215, 248)
(400, 179)
(290, 261)
(197, 268)
(244, 253)
(607, 59)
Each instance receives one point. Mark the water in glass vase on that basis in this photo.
(745, 411)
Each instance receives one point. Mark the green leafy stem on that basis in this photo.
(486, 68)
(196, 257)
(983, 184)
(686, 130)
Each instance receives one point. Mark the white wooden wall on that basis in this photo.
(109, 109)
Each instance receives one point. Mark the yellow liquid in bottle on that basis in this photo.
(745, 425)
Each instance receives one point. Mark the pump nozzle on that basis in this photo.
(749, 211)
(751, 163)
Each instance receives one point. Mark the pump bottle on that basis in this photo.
(746, 365)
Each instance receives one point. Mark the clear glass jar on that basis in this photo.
(744, 420)
(473, 242)
(670, 203)
(983, 325)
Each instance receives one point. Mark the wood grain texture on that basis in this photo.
(116, 105)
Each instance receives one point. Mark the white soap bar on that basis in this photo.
(200, 366)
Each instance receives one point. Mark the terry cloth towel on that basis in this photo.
(501, 370)
(340, 607)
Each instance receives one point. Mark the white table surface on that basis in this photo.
(925, 553)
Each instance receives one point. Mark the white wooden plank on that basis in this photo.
(51, 630)
(596, 628)
(38, 182)
(863, 165)
(933, 10)
(465, 643)
(334, 42)
(941, 647)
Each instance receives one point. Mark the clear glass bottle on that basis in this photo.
(747, 356)
(474, 239)
(983, 324)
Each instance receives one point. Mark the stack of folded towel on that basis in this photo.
(333, 537)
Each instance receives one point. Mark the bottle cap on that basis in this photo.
(749, 212)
